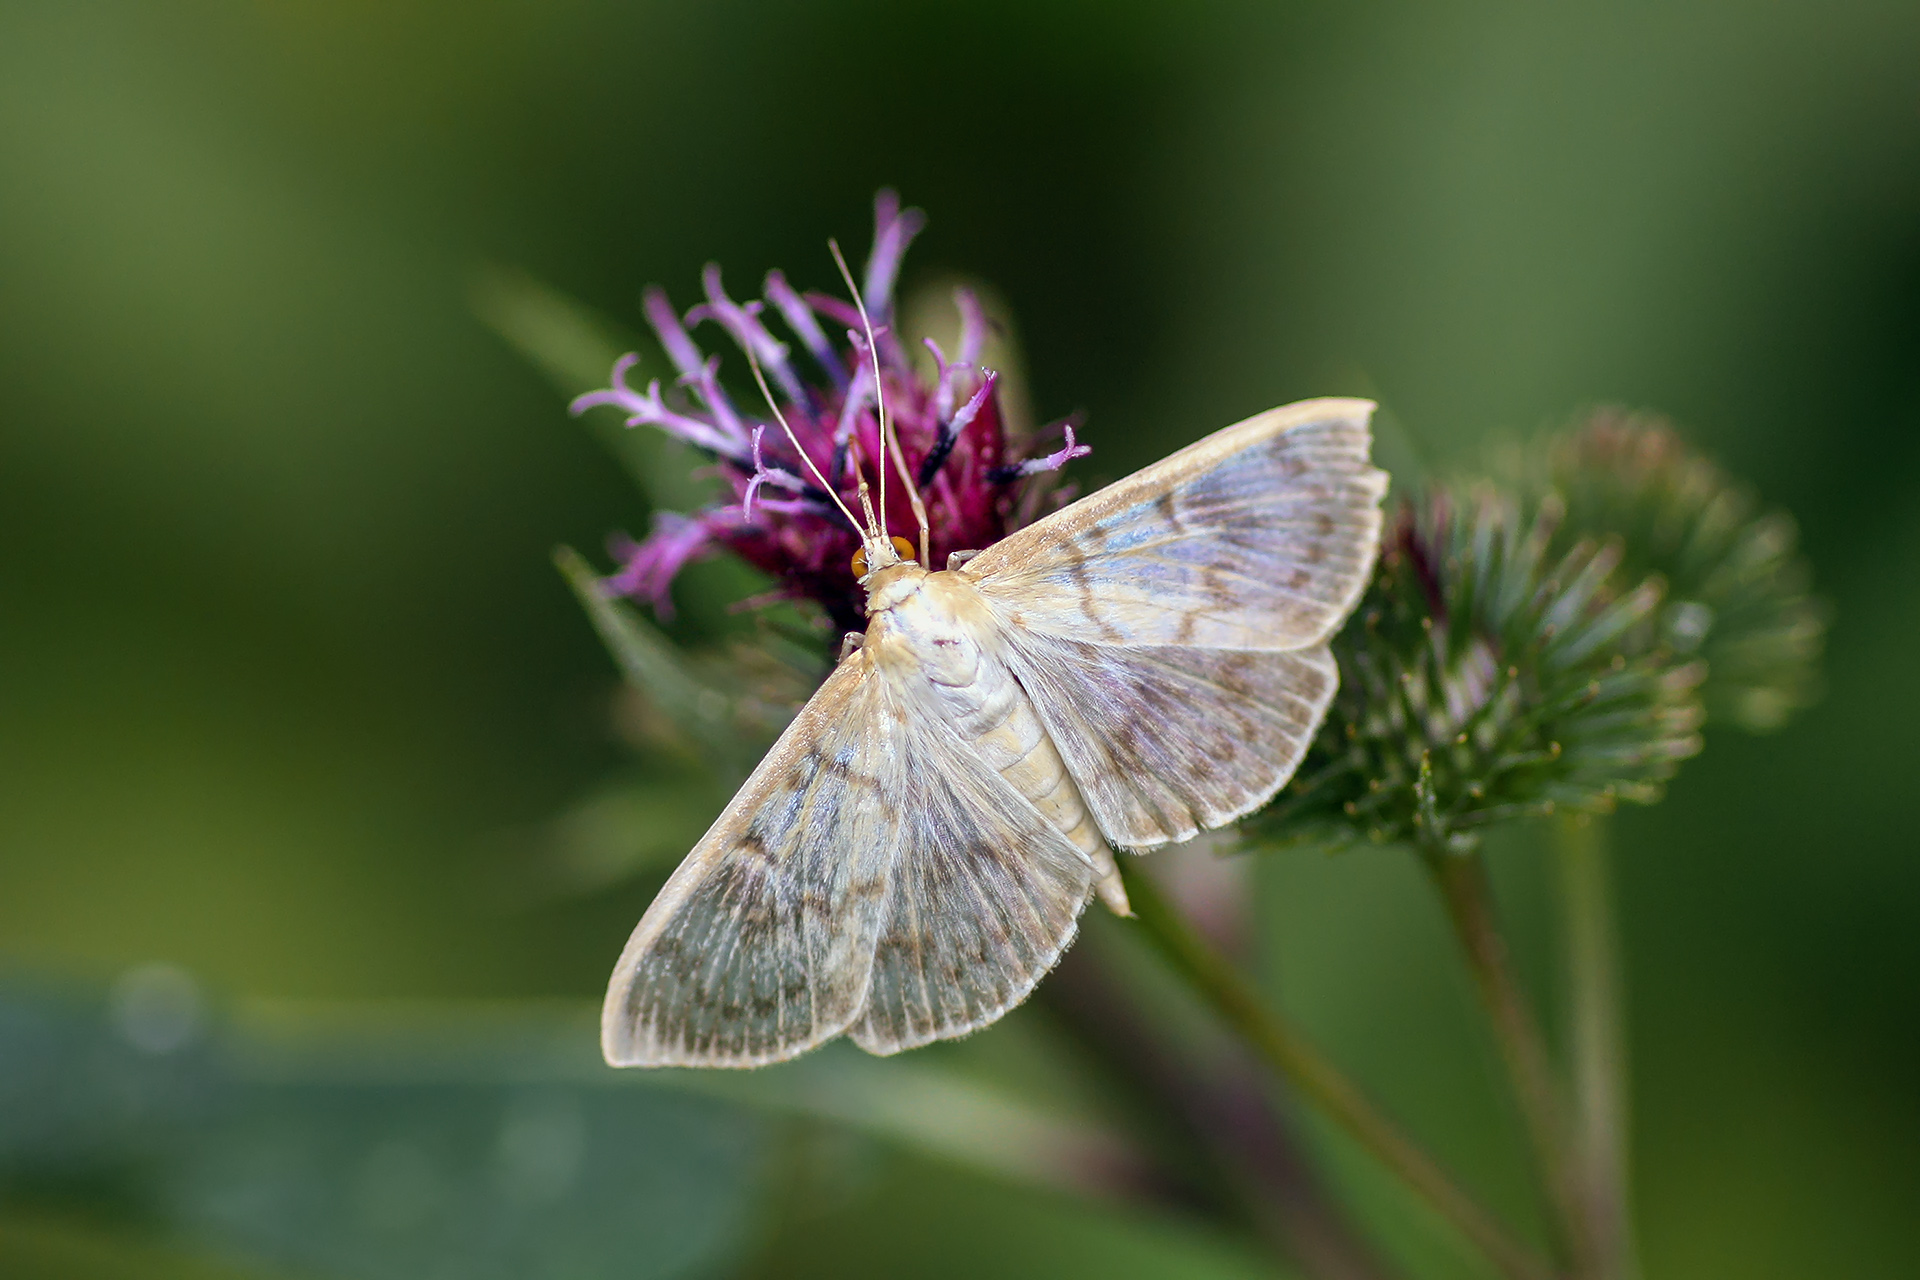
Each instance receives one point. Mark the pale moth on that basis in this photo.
(913, 854)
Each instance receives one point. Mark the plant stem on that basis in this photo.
(1316, 1079)
(1216, 1106)
(1598, 1042)
(1462, 880)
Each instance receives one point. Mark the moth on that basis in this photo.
(913, 854)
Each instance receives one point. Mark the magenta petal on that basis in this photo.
(652, 565)
(1052, 462)
(666, 326)
(800, 318)
(893, 231)
(748, 333)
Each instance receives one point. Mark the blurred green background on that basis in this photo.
(291, 685)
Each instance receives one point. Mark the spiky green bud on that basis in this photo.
(1553, 643)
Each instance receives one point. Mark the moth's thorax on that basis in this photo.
(892, 585)
(934, 622)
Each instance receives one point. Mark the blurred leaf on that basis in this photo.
(388, 1142)
(491, 1147)
(47, 1247)
(702, 716)
(626, 828)
(576, 349)
(943, 1113)
(561, 337)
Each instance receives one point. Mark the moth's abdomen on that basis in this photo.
(996, 718)
(1008, 736)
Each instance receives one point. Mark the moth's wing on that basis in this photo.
(759, 946)
(1166, 741)
(1261, 536)
(985, 896)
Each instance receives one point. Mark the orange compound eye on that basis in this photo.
(900, 545)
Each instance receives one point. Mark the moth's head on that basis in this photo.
(877, 553)
(887, 570)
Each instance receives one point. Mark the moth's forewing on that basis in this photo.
(1260, 536)
(760, 944)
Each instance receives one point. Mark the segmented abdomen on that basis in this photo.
(993, 713)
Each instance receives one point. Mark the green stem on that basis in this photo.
(1598, 1042)
(1462, 880)
(1316, 1079)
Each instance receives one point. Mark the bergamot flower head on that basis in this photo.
(946, 414)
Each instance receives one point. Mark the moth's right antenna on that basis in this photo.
(889, 440)
(876, 528)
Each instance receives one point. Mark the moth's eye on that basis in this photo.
(901, 547)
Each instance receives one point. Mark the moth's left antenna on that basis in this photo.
(889, 439)
(761, 378)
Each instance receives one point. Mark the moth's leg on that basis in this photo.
(849, 642)
(957, 558)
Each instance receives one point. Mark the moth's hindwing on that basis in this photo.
(1165, 741)
(759, 946)
(1261, 536)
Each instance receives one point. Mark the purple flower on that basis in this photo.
(780, 519)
